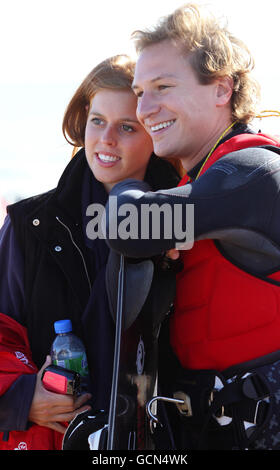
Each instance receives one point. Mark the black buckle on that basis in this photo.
(254, 387)
(221, 412)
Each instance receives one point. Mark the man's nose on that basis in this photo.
(147, 106)
(108, 136)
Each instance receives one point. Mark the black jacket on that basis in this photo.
(64, 273)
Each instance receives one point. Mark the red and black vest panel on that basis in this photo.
(223, 315)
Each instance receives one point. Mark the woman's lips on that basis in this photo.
(107, 160)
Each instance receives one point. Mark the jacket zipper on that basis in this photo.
(77, 248)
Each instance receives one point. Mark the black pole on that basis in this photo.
(115, 377)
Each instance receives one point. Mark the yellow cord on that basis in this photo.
(214, 147)
(264, 114)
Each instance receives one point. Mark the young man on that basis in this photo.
(196, 96)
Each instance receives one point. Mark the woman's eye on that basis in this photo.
(127, 128)
(97, 121)
(163, 87)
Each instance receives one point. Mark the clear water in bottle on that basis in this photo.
(68, 350)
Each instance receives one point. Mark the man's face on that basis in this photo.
(179, 113)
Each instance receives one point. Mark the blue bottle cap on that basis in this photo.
(63, 326)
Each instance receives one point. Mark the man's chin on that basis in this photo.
(164, 153)
(161, 152)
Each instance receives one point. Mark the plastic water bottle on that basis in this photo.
(68, 350)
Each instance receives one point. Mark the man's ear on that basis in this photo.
(224, 90)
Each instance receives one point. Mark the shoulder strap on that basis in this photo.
(239, 142)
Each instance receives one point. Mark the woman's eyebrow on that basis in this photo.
(127, 119)
(130, 120)
(92, 111)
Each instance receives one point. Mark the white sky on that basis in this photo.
(48, 47)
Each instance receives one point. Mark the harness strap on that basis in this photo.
(252, 387)
(247, 394)
(242, 399)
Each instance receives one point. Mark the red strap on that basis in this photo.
(238, 142)
(186, 179)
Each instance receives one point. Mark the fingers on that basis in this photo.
(65, 418)
(63, 409)
(66, 403)
(47, 363)
(82, 399)
(52, 409)
(57, 405)
(172, 254)
(49, 407)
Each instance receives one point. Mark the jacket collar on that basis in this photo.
(67, 195)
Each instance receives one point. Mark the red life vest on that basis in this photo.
(223, 315)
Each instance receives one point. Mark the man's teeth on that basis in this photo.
(107, 158)
(162, 125)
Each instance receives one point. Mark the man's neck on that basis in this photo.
(207, 144)
(238, 128)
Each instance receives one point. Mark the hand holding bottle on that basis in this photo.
(52, 409)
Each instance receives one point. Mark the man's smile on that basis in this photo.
(161, 125)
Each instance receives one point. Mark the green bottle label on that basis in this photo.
(78, 364)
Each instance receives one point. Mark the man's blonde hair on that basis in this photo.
(214, 53)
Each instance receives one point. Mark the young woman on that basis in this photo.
(51, 270)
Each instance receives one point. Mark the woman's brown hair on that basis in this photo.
(113, 73)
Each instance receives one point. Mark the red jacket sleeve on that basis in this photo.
(15, 360)
(15, 354)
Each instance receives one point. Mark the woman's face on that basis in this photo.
(116, 145)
